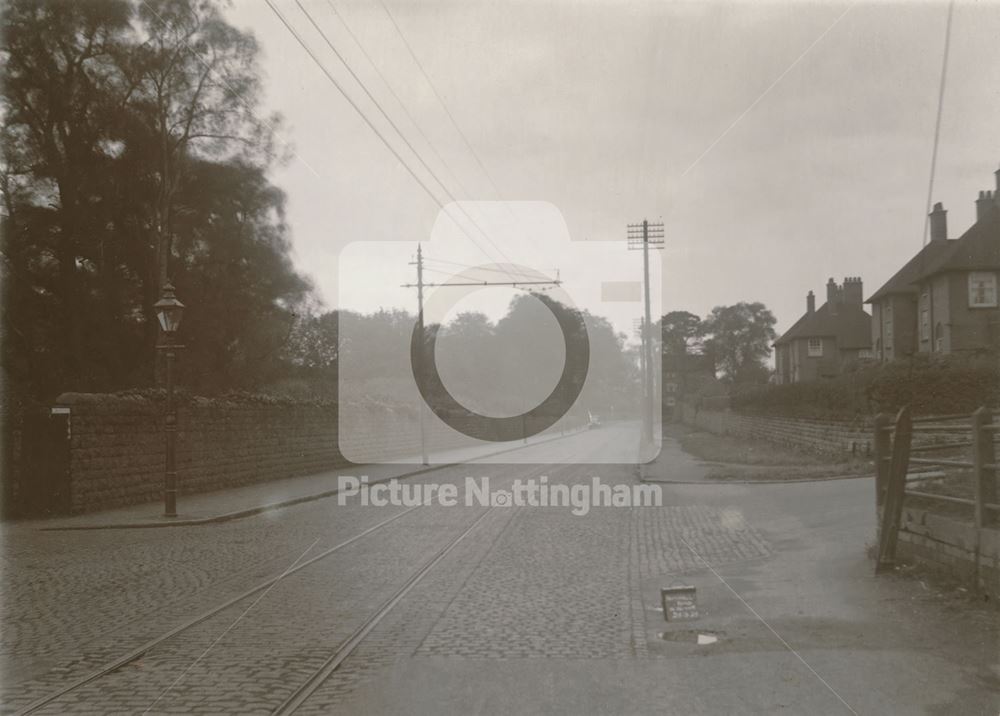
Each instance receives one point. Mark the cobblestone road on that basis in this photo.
(526, 584)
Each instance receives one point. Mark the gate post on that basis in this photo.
(984, 459)
(895, 493)
(883, 451)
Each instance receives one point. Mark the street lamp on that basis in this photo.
(169, 312)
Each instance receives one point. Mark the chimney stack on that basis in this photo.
(810, 302)
(939, 223)
(832, 295)
(997, 175)
(983, 204)
(854, 291)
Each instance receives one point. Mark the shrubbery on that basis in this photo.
(929, 384)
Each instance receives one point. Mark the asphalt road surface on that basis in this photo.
(472, 608)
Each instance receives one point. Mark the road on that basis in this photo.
(505, 609)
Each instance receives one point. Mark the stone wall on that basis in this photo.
(813, 435)
(952, 545)
(116, 450)
(116, 446)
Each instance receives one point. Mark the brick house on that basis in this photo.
(944, 299)
(825, 340)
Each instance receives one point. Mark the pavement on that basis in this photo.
(249, 500)
(535, 610)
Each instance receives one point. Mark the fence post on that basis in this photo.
(892, 512)
(883, 451)
(985, 477)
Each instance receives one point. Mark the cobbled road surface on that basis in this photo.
(535, 609)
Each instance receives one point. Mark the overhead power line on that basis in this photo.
(385, 115)
(506, 270)
(371, 125)
(399, 101)
(440, 99)
(937, 123)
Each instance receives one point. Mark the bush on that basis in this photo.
(928, 384)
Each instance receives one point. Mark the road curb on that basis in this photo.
(769, 482)
(270, 507)
(758, 482)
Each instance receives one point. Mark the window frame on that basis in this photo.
(991, 283)
(816, 352)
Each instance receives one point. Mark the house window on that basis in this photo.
(888, 320)
(925, 324)
(982, 289)
(878, 348)
(864, 353)
(939, 338)
(815, 348)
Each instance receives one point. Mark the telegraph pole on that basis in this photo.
(420, 354)
(643, 237)
(420, 285)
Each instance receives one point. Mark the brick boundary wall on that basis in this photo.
(117, 452)
(950, 544)
(813, 435)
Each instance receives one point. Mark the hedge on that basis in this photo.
(928, 384)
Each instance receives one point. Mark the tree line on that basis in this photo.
(736, 338)
(135, 153)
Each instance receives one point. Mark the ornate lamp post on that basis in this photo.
(169, 312)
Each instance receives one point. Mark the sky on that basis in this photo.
(779, 143)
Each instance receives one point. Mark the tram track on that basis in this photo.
(339, 654)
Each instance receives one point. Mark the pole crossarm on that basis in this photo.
(485, 283)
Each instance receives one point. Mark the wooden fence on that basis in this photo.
(901, 443)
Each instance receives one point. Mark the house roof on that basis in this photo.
(977, 248)
(850, 326)
(904, 280)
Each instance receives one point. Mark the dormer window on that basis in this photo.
(814, 348)
(982, 289)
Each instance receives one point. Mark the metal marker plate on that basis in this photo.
(679, 603)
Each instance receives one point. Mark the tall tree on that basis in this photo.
(130, 138)
(740, 338)
(681, 332)
(196, 87)
(58, 98)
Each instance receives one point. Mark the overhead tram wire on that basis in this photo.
(477, 268)
(440, 99)
(371, 125)
(937, 123)
(402, 105)
(395, 127)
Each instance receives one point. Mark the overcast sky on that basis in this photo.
(605, 110)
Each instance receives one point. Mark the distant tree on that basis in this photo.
(681, 332)
(740, 338)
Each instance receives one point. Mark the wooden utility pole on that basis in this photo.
(643, 237)
(420, 354)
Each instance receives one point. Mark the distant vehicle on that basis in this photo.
(594, 421)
